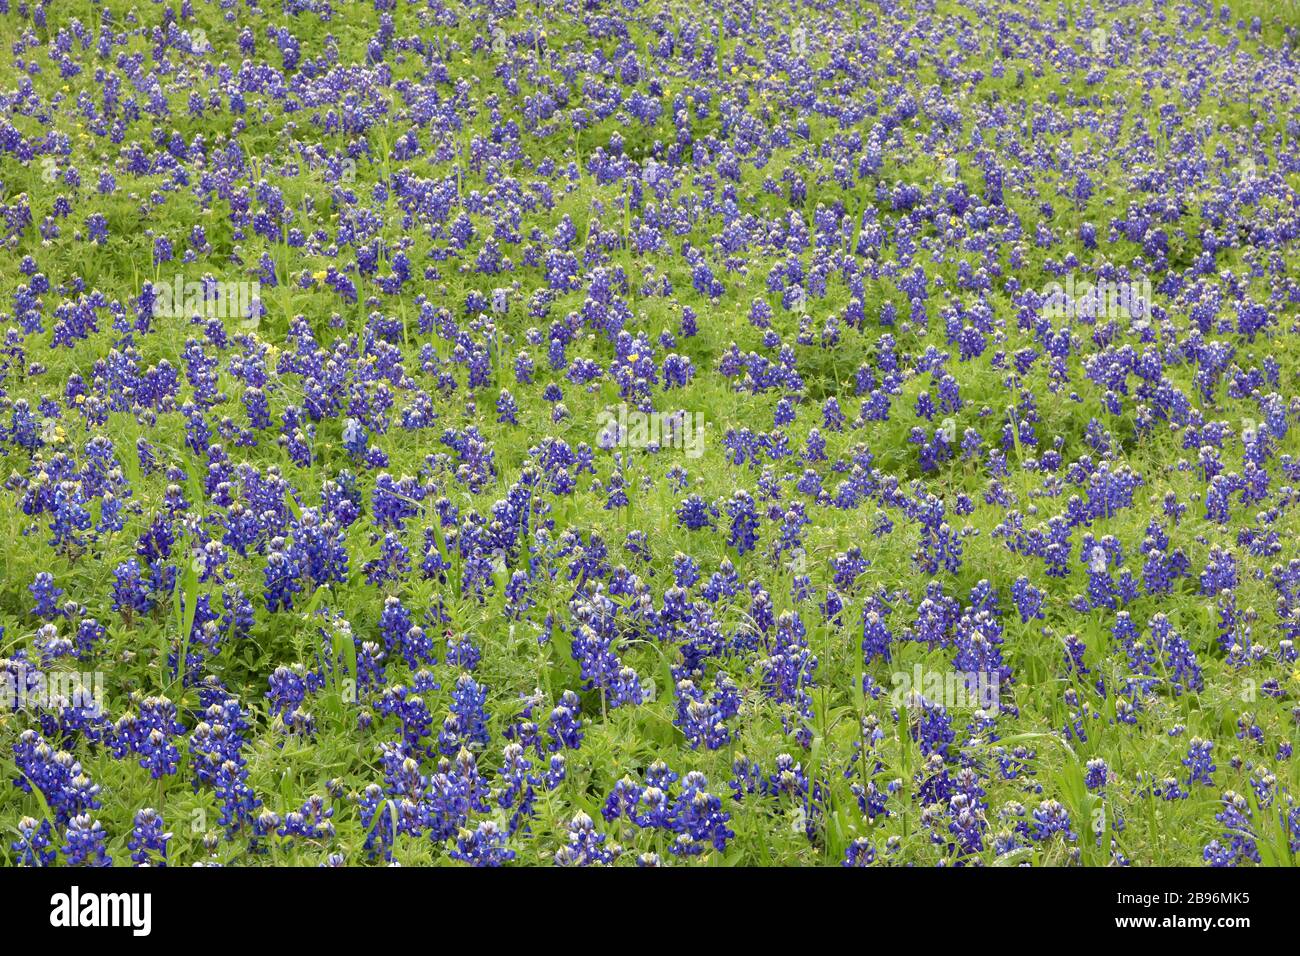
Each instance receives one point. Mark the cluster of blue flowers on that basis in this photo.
(946, 514)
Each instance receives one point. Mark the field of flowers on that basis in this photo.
(649, 433)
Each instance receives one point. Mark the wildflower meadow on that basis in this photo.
(649, 433)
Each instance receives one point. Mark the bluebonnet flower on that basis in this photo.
(695, 513)
(1238, 842)
(392, 564)
(859, 853)
(788, 780)
(288, 691)
(483, 846)
(1096, 774)
(394, 624)
(940, 545)
(1199, 762)
(377, 821)
(702, 718)
(585, 846)
(148, 842)
(1049, 819)
(788, 672)
(463, 653)
(1180, 661)
(50, 645)
(34, 845)
(564, 727)
(466, 725)
(1029, 599)
(67, 790)
(931, 726)
(455, 791)
(310, 822)
(600, 667)
(236, 798)
(69, 518)
(371, 673)
(557, 772)
(518, 792)
(507, 408)
(85, 843)
(411, 710)
(698, 818)
(45, 594)
(876, 636)
(1140, 656)
(518, 599)
(744, 522)
(281, 574)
